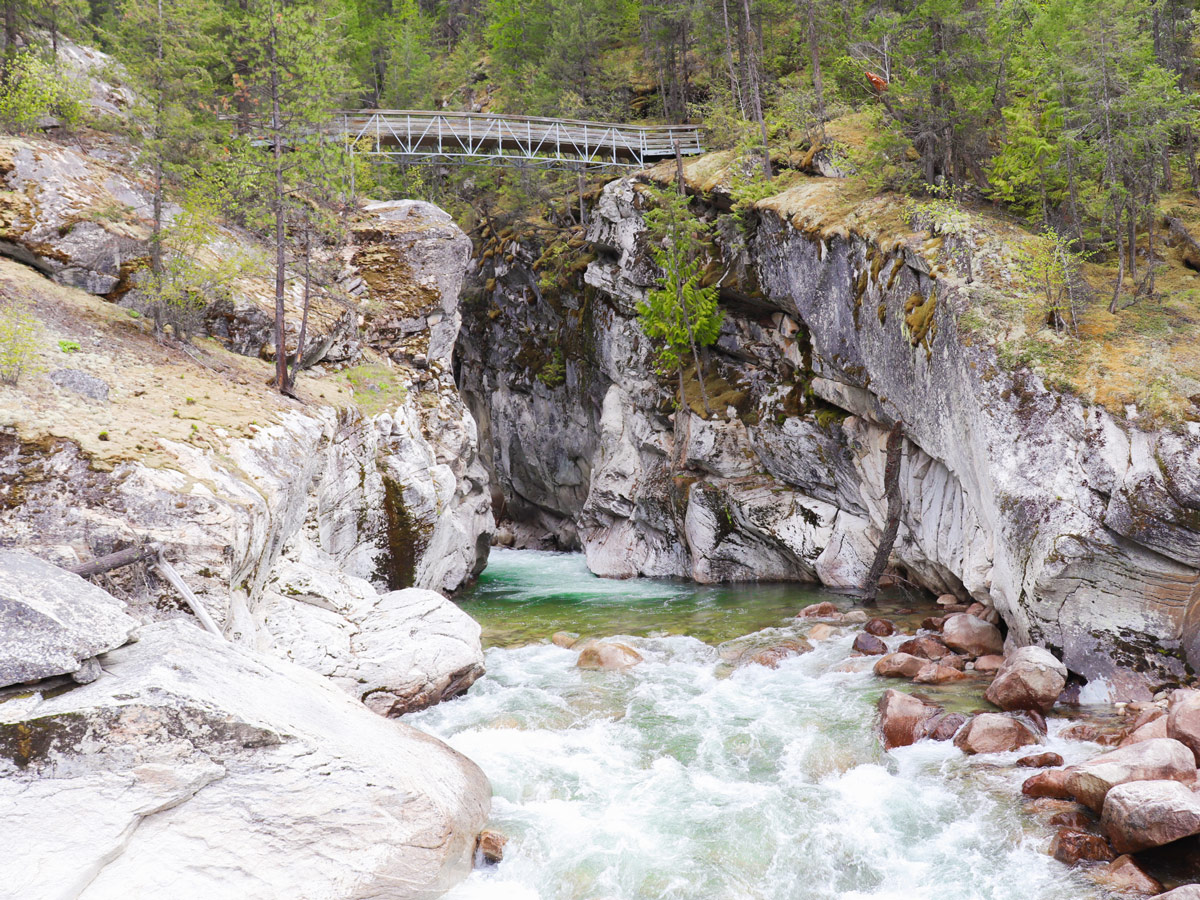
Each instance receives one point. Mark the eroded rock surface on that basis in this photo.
(196, 768)
(53, 622)
(1069, 525)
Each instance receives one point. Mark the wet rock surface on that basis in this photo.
(1031, 678)
(994, 733)
(1143, 814)
(1154, 760)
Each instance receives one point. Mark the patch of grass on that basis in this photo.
(377, 389)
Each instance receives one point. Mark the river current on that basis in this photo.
(684, 780)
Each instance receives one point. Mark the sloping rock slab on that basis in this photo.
(195, 768)
(53, 622)
(398, 652)
(1160, 759)
(1144, 814)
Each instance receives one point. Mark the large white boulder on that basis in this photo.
(195, 768)
(53, 622)
(398, 652)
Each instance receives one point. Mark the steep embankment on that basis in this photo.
(139, 755)
(1079, 527)
(277, 512)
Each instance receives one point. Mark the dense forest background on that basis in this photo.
(1076, 117)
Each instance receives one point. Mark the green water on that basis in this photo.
(525, 596)
(681, 779)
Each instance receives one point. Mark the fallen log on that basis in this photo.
(126, 557)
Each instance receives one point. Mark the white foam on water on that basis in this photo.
(678, 780)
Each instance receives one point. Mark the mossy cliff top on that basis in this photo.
(1141, 363)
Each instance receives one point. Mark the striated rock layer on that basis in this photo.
(286, 518)
(1078, 529)
(193, 768)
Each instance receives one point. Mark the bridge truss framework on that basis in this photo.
(414, 137)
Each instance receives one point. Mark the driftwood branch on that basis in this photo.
(126, 557)
(891, 490)
(167, 571)
(153, 553)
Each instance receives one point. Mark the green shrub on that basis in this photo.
(18, 341)
(36, 89)
(68, 346)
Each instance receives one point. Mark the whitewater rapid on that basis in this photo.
(683, 780)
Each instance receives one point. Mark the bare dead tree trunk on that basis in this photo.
(814, 50)
(891, 490)
(755, 88)
(303, 335)
(281, 373)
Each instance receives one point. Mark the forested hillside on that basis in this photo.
(1077, 118)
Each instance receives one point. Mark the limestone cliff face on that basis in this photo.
(287, 517)
(1080, 529)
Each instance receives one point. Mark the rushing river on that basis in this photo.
(681, 780)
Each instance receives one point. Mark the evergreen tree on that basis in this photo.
(295, 79)
(680, 313)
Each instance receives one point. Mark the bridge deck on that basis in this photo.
(430, 136)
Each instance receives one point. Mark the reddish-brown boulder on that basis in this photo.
(954, 661)
(1161, 759)
(1070, 846)
(1155, 728)
(490, 845)
(1081, 732)
(880, 627)
(947, 600)
(822, 631)
(1183, 720)
(822, 610)
(773, 655)
(869, 645)
(1144, 814)
(972, 636)
(1040, 760)
(994, 733)
(899, 665)
(925, 647)
(1051, 783)
(1125, 876)
(1031, 678)
(1079, 819)
(933, 623)
(608, 655)
(944, 726)
(936, 673)
(902, 718)
(1183, 892)
(990, 664)
(565, 639)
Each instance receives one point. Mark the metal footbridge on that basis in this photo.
(424, 138)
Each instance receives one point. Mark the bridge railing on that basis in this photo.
(418, 134)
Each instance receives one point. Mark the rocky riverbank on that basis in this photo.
(317, 534)
(1073, 522)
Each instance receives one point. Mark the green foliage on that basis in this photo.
(191, 275)
(34, 89)
(679, 315)
(553, 372)
(69, 346)
(1050, 266)
(18, 340)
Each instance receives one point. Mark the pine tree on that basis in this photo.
(295, 78)
(169, 47)
(680, 313)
